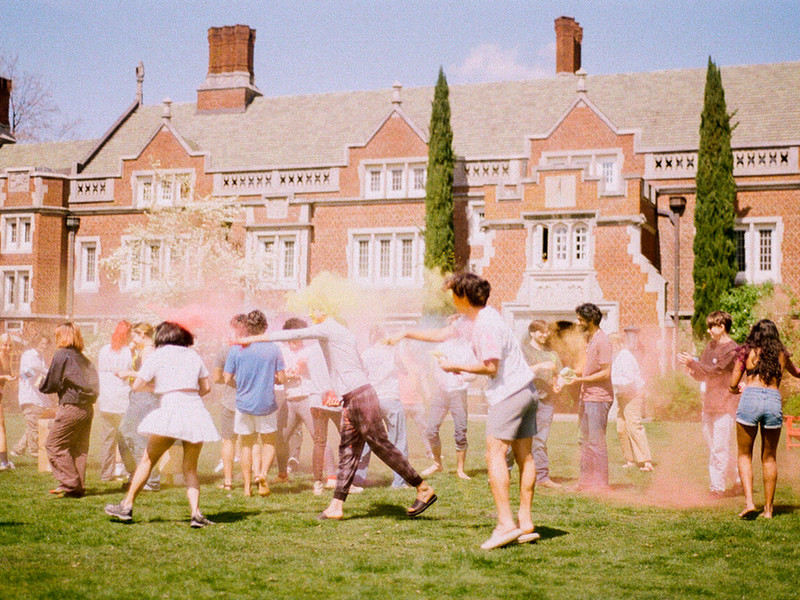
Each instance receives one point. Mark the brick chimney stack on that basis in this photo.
(569, 35)
(229, 86)
(5, 119)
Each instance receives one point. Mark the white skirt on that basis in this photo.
(182, 416)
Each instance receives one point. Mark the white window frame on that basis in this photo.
(570, 245)
(17, 289)
(389, 261)
(146, 272)
(476, 214)
(603, 164)
(411, 175)
(752, 228)
(283, 272)
(163, 188)
(87, 278)
(17, 232)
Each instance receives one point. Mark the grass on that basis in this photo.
(653, 536)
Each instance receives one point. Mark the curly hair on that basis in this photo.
(765, 340)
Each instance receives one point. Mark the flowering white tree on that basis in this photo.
(180, 254)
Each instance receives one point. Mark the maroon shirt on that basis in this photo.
(715, 368)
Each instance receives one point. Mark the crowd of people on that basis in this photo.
(148, 383)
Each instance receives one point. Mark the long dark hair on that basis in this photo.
(766, 341)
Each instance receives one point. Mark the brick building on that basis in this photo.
(559, 184)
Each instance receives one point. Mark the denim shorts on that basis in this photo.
(760, 406)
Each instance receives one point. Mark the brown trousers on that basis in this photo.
(68, 445)
(362, 423)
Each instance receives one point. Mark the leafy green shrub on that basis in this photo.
(792, 405)
(742, 304)
(675, 396)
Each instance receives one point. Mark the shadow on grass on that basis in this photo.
(785, 509)
(233, 516)
(549, 533)
(383, 509)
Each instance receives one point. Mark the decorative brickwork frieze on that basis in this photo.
(277, 181)
(92, 190)
(748, 162)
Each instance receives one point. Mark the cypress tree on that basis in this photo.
(714, 216)
(439, 233)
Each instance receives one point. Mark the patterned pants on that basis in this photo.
(362, 423)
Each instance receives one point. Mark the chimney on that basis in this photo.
(569, 35)
(229, 85)
(5, 120)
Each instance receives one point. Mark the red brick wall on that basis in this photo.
(396, 139)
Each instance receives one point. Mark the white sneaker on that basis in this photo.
(331, 483)
(7, 466)
(356, 489)
(319, 488)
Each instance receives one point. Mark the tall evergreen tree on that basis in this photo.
(439, 233)
(714, 216)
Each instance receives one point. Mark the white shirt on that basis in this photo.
(173, 368)
(114, 392)
(381, 365)
(456, 350)
(340, 349)
(31, 367)
(492, 339)
(625, 370)
(309, 365)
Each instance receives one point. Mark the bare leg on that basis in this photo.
(3, 442)
(461, 457)
(499, 482)
(437, 462)
(745, 438)
(247, 461)
(191, 454)
(267, 456)
(769, 448)
(228, 451)
(527, 481)
(156, 447)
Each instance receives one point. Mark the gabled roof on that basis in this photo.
(52, 156)
(488, 120)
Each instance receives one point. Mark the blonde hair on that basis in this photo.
(68, 335)
(328, 293)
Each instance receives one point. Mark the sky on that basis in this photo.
(87, 52)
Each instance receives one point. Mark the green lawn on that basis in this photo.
(655, 536)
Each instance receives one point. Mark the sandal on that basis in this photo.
(225, 486)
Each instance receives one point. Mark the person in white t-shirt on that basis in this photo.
(113, 399)
(34, 404)
(511, 395)
(450, 396)
(180, 379)
(626, 377)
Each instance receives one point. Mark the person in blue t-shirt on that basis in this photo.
(256, 369)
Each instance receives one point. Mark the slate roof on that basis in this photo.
(53, 156)
(489, 120)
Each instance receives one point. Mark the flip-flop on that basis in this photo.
(498, 540)
(526, 538)
(420, 507)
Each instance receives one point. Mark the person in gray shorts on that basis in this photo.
(511, 395)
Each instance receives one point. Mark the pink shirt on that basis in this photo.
(599, 354)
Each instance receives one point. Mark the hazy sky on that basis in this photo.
(88, 51)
